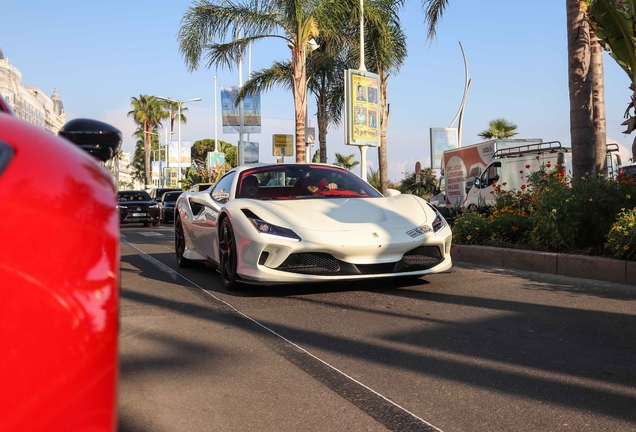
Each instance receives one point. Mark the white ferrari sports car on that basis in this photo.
(282, 223)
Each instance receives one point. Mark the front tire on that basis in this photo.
(227, 255)
(179, 244)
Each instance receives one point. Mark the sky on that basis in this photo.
(98, 55)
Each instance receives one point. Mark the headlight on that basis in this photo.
(439, 221)
(121, 207)
(154, 206)
(267, 228)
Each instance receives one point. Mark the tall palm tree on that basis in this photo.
(385, 52)
(614, 23)
(207, 24)
(172, 112)
(346, 162)
(147, 113)
(583, 129)
(325, 81)
(499, 128)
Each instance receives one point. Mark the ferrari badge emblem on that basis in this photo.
(375, 234)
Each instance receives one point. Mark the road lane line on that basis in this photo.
(423, 424)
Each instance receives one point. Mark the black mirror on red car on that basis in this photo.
(95, 137)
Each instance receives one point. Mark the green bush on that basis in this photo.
(472, 228)
(621, 240)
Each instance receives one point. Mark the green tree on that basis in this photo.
(499, 128)
(295, 22)
(147, 112)
(426, 186)
(172, 112)
(346, 162)
(200, 148)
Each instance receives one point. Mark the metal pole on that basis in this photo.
(216, 147)
(179, 148)
(165, 182)
(363, 148)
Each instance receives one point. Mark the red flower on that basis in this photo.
(521, 172)
(527, 166)
(523, 186)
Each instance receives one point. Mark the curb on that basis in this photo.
(578, 266)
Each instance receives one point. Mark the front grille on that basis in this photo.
(423, 257)
(310, 263)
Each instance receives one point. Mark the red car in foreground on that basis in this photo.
(59, 278)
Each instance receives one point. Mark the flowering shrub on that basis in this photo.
(472, 228)
(551, 213)
(621, 240)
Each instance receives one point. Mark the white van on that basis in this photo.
(509, 167)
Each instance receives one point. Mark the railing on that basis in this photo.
(538, 148)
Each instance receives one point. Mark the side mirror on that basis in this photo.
(477, 183)
(392, 192)
(97, 138)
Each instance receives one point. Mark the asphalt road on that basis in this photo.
(479, 349)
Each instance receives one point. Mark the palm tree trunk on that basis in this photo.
(598, 104)
(580, 84)
(384, 121)
(322, 126)
(147, 154)
(299, 87)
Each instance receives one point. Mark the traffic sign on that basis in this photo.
(282, 145)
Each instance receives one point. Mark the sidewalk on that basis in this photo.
(579, 266)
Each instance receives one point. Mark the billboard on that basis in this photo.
(442, 139)
(156, 169)
(362, 108)
(230, 112)
(183, 152)
(215, 160)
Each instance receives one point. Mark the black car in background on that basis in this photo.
(627, 171)
(157, 193)
(166, 206)
(136, 206)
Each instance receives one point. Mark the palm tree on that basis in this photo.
(385, 52)
(296, 22)
(346, 162)
(499, 128)
(373, 178)
(614, 25)
(172, 111)
(147, 112)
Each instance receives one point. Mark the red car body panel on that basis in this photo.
(59, 279)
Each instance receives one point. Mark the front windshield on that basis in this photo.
(299, 181)
(171, 196)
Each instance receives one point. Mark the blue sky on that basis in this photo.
(100, 54)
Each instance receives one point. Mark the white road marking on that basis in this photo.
(176, 275)
(150, 233)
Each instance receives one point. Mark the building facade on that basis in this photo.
(30, 103)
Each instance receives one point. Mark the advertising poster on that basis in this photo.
(442, 139)
(170, 174)
(363, 108)
(215, 160)
(156, 168)
(230, 112)
(183, 152)
(250, 152)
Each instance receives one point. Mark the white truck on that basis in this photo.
(511, 166)
(462, 165)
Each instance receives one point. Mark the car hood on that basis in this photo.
(347, 214)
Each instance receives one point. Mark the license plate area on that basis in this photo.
(138, 214)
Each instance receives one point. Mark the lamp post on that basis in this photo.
(179, 103)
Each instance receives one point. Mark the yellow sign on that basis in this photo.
(363, 112)
(283, 145)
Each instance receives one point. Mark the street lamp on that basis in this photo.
(179, 103)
